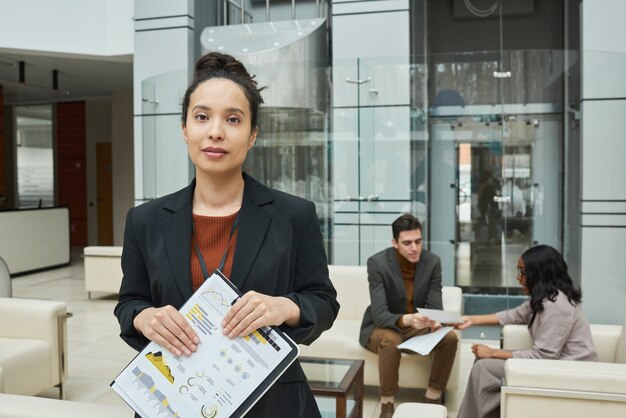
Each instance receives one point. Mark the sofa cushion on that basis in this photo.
(353, 292)
(103, 251)
(25, 365)
(588, 376)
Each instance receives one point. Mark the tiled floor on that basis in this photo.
(97, 354)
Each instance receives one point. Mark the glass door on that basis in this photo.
(375, 156)
(500, 185)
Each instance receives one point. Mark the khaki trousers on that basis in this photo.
(384, 342)
(482, 396)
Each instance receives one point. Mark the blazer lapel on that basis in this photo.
(254, 222)
(176, 231)
(396, 273)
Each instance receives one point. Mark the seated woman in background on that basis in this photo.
(555, 320)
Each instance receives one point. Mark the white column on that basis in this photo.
(164, 55)
(603, 160)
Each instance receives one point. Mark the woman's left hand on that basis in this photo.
(255, 310)
(482, 351)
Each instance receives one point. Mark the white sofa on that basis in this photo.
(33, 345)
(17, 406)
(548, 388)
(342, 340)
(103, 269)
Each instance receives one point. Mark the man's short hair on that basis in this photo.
(406, 222)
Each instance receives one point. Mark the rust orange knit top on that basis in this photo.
(408, 275)
(213, 233)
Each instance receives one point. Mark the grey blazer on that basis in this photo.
(387, 294)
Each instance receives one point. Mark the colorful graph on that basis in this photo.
(157, 360)
(262, 336)
(217, 301)
(147, 382)
(198, 317)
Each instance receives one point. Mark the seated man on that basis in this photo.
(403, 278)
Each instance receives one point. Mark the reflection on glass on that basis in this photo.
(35, 169)
(162, 145)
(291, 155)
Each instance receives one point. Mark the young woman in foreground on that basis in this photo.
(555, 320)
(266, 242)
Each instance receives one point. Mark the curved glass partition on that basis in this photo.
(477, 154)
(162, 140)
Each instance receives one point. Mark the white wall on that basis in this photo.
(88, 27)
(164, 55)
(603, 147)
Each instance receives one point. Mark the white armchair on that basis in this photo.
(548, 388)
(33, 344)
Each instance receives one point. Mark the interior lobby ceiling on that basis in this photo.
(79, 76)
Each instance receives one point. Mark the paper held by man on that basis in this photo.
(424, 344)
(443, 317)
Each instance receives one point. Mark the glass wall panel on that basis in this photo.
(496, 152)
(35, 161)
(165, 162)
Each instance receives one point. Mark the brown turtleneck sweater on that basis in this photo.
(408, 275)
(213, 233)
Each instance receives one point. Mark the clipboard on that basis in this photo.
(223, 378)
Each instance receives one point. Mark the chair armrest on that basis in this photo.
(38, 320)
(516, 337)
(31, 318)
(452, 299)
(584, 376)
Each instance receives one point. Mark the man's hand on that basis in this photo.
(419, 321)
(255, 310)
(167, 327)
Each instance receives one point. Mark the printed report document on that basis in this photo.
(424, 344)
(443, 317)
(223, 378)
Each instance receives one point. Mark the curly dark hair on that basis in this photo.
(218, 65)
(546, 274)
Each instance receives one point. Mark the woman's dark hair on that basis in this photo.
(218, 65)
(546, 274)
(406, 222)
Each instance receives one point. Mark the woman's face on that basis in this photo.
(521, 275)
(218, 130)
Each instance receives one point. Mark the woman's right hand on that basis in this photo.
(167, 327)
(467, 322)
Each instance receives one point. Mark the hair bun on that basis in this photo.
(216, 62)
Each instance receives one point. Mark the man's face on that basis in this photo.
(409, 245)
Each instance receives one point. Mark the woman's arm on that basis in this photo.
(469, 320)
(483, 351)
(552, 329)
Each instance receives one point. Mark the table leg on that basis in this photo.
(358, 393)
(341, 406)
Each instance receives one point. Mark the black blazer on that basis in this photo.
(279, 251)
(387, 292)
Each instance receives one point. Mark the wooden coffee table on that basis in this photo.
(337, 385)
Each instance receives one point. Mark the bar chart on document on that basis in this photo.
(215, 380)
